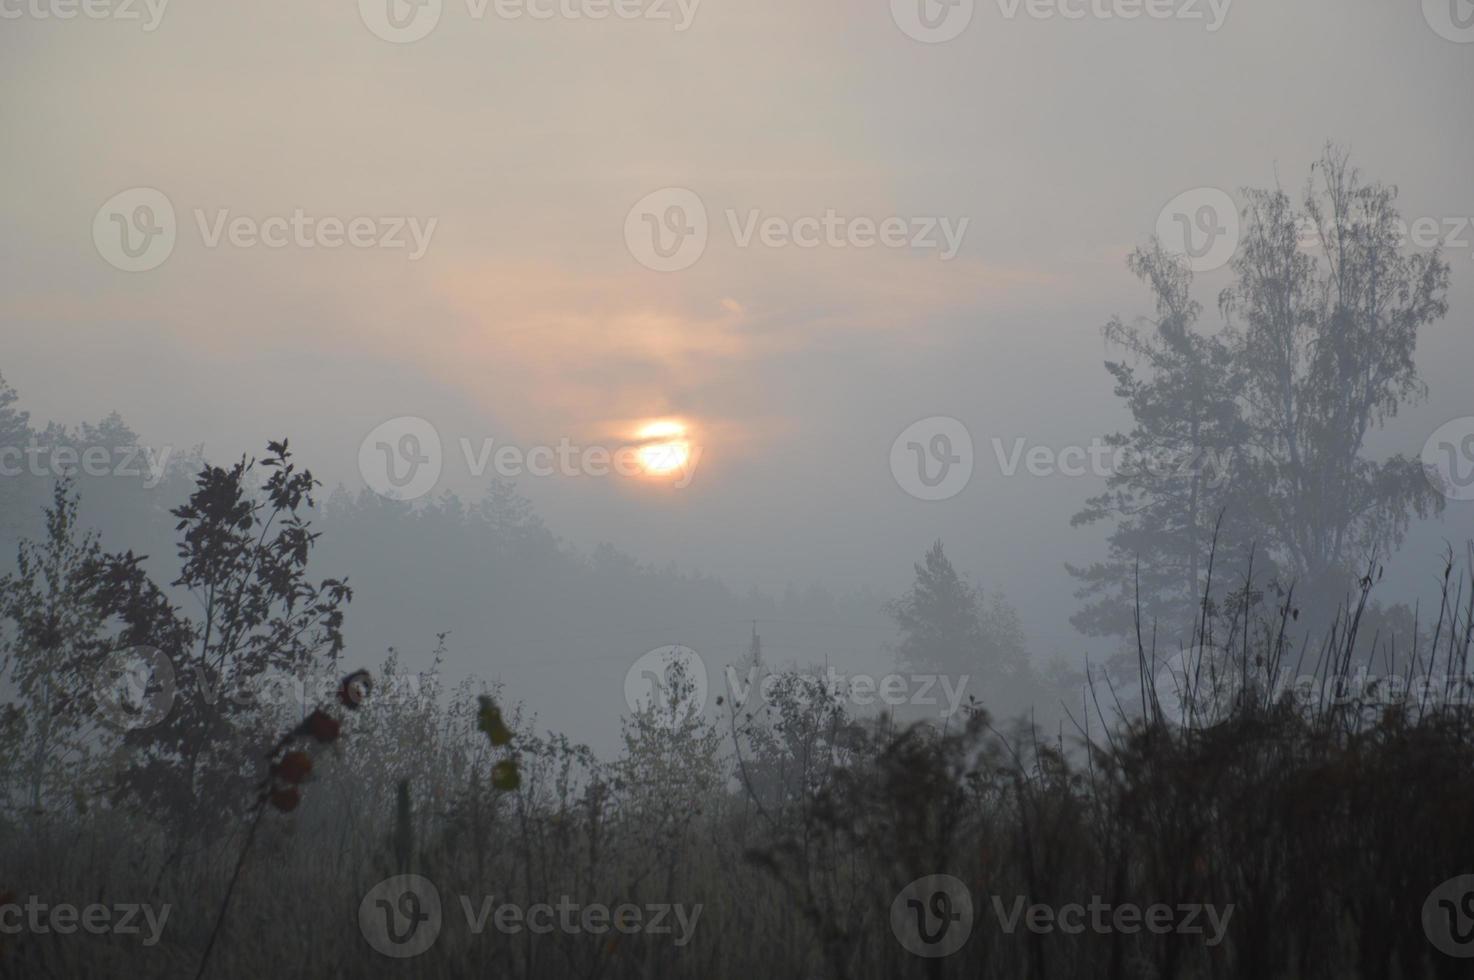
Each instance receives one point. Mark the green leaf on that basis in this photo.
(504, 775)
(489, 720)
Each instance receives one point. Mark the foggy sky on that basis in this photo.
(528, 320)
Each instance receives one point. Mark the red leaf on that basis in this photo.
(321, 726)
(294, 767)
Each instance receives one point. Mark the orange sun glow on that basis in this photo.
(663, 447)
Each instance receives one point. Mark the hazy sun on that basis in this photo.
(663, 447)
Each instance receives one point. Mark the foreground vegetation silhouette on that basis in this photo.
(1323, 813)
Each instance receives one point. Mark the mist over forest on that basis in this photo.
(661, 489)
